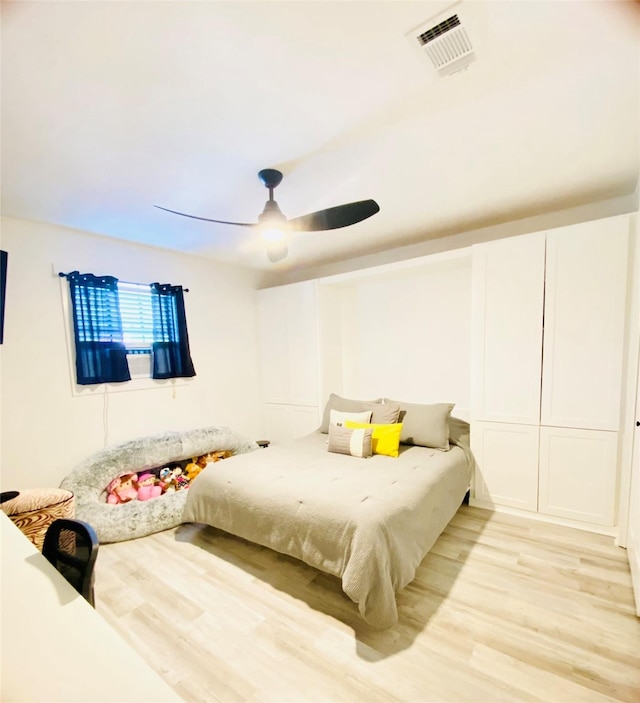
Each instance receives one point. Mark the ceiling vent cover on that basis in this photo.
(447, 44)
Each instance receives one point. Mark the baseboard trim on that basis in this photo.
(587, 527)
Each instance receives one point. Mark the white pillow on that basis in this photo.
(337, 417)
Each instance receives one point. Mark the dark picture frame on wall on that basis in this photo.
(3, 287)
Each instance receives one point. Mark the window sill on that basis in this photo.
(135, 384)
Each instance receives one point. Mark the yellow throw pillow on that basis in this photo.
(385, 439)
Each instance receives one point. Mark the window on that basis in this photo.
(136, 314)
(119, 325)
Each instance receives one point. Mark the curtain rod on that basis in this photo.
(132, 283)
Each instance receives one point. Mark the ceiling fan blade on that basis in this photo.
(335, 217)
(207, 219)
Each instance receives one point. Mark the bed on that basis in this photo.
(369, 522)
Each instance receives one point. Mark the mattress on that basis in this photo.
(370, 522)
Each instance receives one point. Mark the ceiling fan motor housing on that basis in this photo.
(270, 177)
(272, 214)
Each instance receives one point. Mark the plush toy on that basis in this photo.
(122, 489)
(166, 480)
(217, 456)
(171, 479)
(197, 463)
(193, 468)
(179, 481)
(148, 487)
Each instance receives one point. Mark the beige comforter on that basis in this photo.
(369, 522)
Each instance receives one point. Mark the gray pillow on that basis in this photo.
(425, 425)
(459, 432)
(345, 405)
(343, 440)
(385, 413)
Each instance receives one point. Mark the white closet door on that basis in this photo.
(507, 464)
(288, 337)
(274, 345)
(287, 422)
(577, 474)
(302, 319)
(584, 324)
(508, 299)
(633, 528)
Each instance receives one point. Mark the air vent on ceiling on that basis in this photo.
(447, 44)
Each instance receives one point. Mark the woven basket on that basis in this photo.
(33, 510)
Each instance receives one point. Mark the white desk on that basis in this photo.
(54, 647)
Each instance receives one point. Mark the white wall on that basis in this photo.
(415, 337)
(46, 429)
(404, 334)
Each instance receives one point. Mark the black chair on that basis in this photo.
(8, 495)
(72, 547)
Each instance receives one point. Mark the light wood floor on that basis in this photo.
(502, 609)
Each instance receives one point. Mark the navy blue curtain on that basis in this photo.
(171, 355)
(101, 356)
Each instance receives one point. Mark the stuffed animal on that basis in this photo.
(217, 456)
(179, 481)
(193, 468)
(148, 487)
(166, 480)
(197, 463)
(171, 479)
(122, 489)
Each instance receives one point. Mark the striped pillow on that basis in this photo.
(354, 442)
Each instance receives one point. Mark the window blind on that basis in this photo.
(137, 317)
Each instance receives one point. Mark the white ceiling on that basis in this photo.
(111, 107)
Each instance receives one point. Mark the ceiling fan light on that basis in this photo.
(273, 224)
(277, 252)
(272, 234)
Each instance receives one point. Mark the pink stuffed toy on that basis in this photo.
(147, 487)
(122, 489)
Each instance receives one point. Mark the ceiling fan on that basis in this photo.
(274, 225)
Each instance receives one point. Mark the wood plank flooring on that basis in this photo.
(502, 609)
